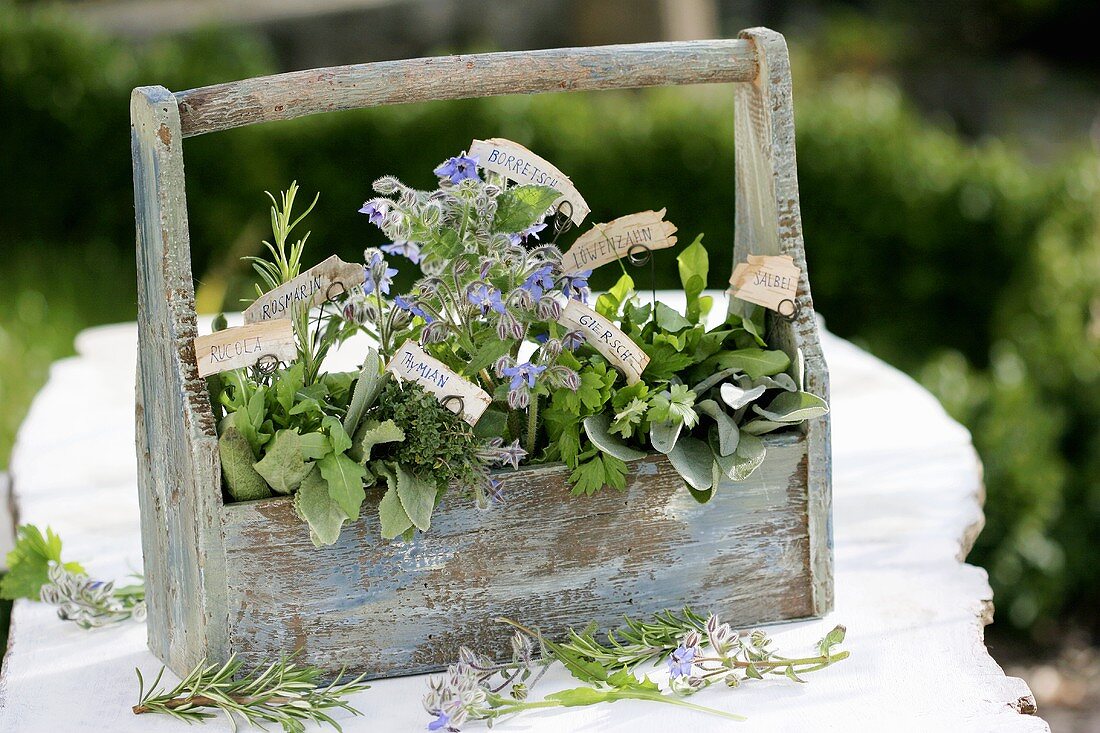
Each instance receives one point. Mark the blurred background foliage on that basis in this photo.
(969, 261)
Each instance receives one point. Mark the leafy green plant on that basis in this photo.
(29, 563)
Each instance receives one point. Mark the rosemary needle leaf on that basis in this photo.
(281, 692)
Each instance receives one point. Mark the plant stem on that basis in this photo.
(532, 424)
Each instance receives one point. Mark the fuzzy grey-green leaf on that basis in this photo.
(345, 482)
(692, 459)
(728, 435)
(747, 458)
(372, 433)
(736, 397)
(598, 428)
(314, 505)
(792, 407)
(366, 391)
(392, 515)
(241, 479)
(417, 498)
(663, 435)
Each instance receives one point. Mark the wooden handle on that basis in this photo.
(300, 93)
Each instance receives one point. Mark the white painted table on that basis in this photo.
(907, 503)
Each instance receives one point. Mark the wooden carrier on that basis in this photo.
(245, 578)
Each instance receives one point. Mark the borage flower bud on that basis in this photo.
(433, 333)
(431, 214)
(508, 327)
(499, 243)
(504, 362)
(551, 349)
(521, 298)
(400, 317)
(548, 309)
(564, 377)
(387, 185)
(429, 286)
(460, 267)
(518, 399)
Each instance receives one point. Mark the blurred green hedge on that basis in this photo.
(961, 263)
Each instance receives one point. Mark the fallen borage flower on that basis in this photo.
(475, 688)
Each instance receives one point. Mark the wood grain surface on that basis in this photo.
(299, 93)
(387, 608)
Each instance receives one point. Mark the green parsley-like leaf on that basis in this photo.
(629, 417)
(675, 405)
(601, 470)
(521, 206)
(29, 563)
(669, 319)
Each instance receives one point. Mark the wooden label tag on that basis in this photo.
(608, 242)
(314, 286)
(460, 396)
(607, 339)
(244, 346)
(767, 280)
(517, 163)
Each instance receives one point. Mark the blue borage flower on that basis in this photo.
(459, 168)
(531, 231)
(573, 340)
(442, 722)
(520, 373)
(575, 286)
(485, 297)
(412, 307)
(539, 281)
(379, 275)
(376, 211)
(681, 661)
(410, 250)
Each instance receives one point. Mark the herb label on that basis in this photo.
(244, 346)
(603, 335)
(460, 396)
(767, 280)
(608, 242)
(517, 163)
(314, 286)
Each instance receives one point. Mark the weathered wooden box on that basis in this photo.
(244, 578)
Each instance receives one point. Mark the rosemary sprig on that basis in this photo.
(283, 693)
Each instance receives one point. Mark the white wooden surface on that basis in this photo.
(907, 491)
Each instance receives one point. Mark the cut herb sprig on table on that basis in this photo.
(696, 652)
(282, 692)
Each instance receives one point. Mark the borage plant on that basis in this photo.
(488, 303)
